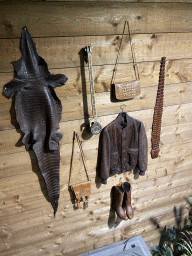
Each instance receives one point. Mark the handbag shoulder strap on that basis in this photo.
(82, 156)
(132, 52)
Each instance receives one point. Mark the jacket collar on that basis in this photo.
(123, 120)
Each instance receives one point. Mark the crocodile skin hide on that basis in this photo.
(38, 112)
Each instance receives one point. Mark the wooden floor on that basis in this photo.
(60, 30)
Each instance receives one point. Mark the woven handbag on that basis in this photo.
(128, 89)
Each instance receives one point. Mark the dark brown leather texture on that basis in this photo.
(127, 199)
(158, 111)
(121, 201)
(123, 147)
(38, 111)
(117, 202)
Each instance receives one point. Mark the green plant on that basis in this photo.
(186, 243)
(164, 251)
(175, 241)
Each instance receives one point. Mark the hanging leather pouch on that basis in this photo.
(81, 191)
(128, 89)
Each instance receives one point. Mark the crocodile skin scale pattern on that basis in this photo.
(38, 112)
(158, 111)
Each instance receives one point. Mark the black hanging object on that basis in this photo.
(38, 111)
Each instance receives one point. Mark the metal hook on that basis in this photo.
(122, 106)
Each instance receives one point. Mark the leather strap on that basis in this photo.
(82, 156)
(158, 111)
(132, 52)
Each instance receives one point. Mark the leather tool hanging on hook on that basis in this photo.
(82, 190)
(94, 122)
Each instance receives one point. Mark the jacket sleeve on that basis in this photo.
(104, 156)
(143, 151)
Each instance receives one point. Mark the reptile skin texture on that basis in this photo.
(158, 111)
(38, 112)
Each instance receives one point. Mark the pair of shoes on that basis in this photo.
(121, 201)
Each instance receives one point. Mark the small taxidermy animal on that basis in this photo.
(38, 112)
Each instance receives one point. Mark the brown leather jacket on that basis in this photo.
(122, 147)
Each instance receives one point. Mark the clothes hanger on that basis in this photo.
(123, 113)
(122, 109)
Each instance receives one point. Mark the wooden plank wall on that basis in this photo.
(60, 30)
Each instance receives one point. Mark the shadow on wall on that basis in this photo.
(171, 237)
(85, 127)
